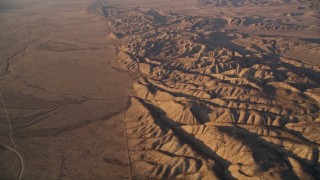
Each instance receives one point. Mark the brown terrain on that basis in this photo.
(64, 101)
(149, 89)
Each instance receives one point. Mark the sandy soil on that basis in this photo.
(64, 100)
(220, 89)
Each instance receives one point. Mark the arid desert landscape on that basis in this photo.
(150, 89)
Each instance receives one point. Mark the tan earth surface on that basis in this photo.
(220, 89)
(64, 101)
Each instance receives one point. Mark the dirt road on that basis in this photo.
(64, 100)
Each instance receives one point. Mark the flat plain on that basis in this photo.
(137, 89)
(64, 100)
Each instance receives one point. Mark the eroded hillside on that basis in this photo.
(237, 3)
(215, 104)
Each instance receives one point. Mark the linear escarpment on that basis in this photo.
(203, 107)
